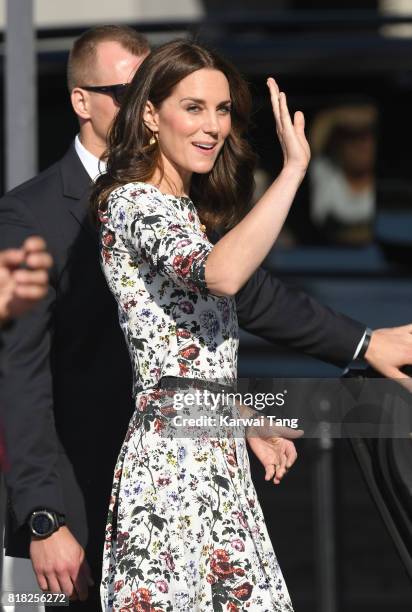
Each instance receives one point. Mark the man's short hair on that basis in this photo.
(83, 53)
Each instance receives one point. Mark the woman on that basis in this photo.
(185, 529)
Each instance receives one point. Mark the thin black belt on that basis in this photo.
(180, 382)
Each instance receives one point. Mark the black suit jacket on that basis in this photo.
(67, 393)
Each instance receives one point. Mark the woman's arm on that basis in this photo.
(239, 253)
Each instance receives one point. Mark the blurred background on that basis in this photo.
(348, 65)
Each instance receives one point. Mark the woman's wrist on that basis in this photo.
(294, 172)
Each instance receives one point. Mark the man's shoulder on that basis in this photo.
(38, 187)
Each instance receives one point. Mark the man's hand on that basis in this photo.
(60, 564)
(22, 287)
(389, 350)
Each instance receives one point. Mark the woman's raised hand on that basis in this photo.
(291, 134)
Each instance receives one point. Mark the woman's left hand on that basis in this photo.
(277, 455)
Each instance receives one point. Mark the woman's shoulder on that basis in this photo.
(136, 191)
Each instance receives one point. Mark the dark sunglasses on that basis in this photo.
(117, 91)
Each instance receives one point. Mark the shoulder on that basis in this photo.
(136, 192)
(32, 199)
(38, 192)
(137, 200)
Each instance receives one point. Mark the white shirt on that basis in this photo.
(332, 195)
(92, 164)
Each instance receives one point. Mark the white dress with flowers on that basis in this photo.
(185, 530)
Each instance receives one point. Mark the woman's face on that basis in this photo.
(193, 123)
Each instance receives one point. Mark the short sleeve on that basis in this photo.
(166, 234)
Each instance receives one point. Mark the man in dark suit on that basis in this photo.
(67, 399)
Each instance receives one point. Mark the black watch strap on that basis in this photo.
(365, 344)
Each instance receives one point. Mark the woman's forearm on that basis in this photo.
(241, 251)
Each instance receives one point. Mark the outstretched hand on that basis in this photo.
(389, 350)
(295, 147)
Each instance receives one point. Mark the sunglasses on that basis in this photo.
(117, 91)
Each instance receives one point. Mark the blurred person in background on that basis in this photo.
(342, 174)
(24, 278)
(59, 414)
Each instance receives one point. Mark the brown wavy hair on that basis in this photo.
(223, 195)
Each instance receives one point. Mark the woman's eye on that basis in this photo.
(225, 109)
(193, 108)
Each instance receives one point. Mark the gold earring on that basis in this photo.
(153, 139)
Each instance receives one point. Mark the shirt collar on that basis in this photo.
(92, 164)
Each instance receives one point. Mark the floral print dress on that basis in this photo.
(185, 530)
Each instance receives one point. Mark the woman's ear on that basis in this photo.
(151, 117)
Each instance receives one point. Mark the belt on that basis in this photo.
(180, 382)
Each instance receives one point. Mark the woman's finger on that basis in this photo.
(274, 96)
(291, 456)
(270, 470)
(281, 468)
(284, 111)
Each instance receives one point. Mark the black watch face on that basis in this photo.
(42, 523)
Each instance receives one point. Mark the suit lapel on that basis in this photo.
(76, 189)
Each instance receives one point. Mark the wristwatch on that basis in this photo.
(43, 523)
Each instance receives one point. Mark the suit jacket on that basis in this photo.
(67, 394)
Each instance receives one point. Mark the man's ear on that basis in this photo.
(151, 117)
(80, 101)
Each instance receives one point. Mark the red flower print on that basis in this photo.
(183, 333)
(191, 217)
(109, 239)
(231, 459)
(231, 607)
(163, 480)
(183, 369)
(211, 579)
(168, 411)
(142, 403)
(162, 586)
(118, 585)
(182, 264)
(244, 591)
(158, 425)
(220, 554)
(121, 538)
(144, 594)
(168, 559)
(191, 352)
(220, 564)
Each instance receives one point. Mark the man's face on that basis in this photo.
(113, 65)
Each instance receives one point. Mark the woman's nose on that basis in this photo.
(211, 124)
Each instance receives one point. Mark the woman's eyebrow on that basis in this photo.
(200, 101)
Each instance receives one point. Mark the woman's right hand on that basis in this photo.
(295, 147)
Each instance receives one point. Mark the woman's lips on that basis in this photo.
(205, 148)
